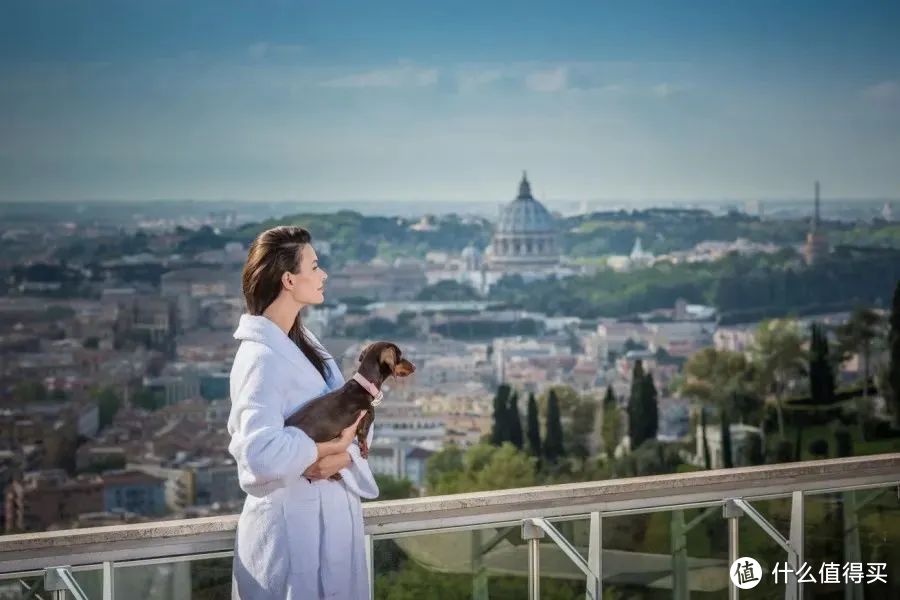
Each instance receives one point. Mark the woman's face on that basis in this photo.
(307, 284)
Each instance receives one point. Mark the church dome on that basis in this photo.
(525, 214)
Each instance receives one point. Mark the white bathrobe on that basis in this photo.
(295, 539)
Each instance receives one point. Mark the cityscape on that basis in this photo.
(117, 346)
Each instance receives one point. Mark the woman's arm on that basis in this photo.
(260, 443)
(328, 465)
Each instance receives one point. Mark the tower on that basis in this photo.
(816, 241)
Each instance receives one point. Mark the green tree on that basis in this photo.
(635, 432)
(612, 422)
(391, 488)
(500, 429)
(821, 374)
(108, 404)
(483, 467)
(506, 468)
(779, 358)
(856, 337)
(651, 458)
(553, 439)
(650, 400)
(752, 451)
(643, 413)
(716, 378)
(148, 399)
(843, 441)
(514, 421)
(893, 368)
(534, 429)
(707, 457)
(726, 438)
(442, 467)
(577, 415)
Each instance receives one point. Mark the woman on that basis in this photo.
(300, 535)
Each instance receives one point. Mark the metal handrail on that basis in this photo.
(29, 554)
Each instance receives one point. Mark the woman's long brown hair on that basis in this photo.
(273, 252)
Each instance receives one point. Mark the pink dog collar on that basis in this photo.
(377, 395)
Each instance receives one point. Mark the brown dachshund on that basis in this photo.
(325, 417)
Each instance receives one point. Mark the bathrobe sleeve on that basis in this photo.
(357, 476)
(260, 443)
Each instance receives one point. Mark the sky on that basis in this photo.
(448, 101)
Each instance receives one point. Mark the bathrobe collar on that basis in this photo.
(258, 328)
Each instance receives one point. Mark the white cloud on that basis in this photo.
(550, 80)
(604, 78)
(392, 77)
(472, 79)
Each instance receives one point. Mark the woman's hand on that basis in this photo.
(328, 466)
(340, 444)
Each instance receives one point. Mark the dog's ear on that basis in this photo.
(389, 356)
(361, 354)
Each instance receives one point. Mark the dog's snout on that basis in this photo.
(404, 368)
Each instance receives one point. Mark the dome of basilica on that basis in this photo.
(525, 214)
(525, 240)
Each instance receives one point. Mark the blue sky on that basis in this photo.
(380, 101)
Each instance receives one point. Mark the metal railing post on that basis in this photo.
(732, 512)
(796, 541)
(533, 535)
(594, 589)
(109, 580)
(370, 564)
(479, 572)
(680, 588)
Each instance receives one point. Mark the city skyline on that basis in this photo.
(304, 102)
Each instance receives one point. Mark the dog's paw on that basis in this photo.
(336, 477)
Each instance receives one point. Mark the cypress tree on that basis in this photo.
(650, 408)
(643, 412)
(534, 430)
(892, 394)
(612, 422)
(553, 440)
(726, 439)
(635, 405)
(707, 459)
(514, 421)
(610, 398)
(500, 431)
(821, 374)
(843, 442)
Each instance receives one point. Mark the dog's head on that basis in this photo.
(389, 359)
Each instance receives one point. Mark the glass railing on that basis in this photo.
(669, 536)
